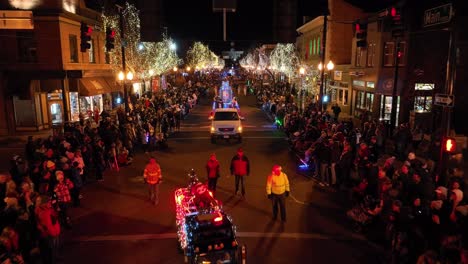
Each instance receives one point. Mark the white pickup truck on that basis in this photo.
(226, 124)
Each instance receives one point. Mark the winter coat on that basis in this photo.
(212, 169)
(47, 222)
(240, 166)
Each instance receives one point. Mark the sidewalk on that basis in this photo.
(20, 138)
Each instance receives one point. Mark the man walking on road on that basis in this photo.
(277, 189)
(240, 167)
(153, 178)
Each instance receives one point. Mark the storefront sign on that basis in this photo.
(437, 15)
(338, 75)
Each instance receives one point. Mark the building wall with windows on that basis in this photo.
(338, 50)
(45, 78)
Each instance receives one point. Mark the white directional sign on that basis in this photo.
(444, 100)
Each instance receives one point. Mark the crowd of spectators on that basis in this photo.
(42, 185)
(421, 212)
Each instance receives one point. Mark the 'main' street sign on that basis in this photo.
(437, 15)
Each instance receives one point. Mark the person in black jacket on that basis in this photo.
(345, 164)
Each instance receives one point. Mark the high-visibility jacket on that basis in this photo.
(152, 173)
(277, 184)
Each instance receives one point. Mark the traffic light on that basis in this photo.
(86, 32)
(396, 22)
(449, 145)
(361, 34)
(110, 38)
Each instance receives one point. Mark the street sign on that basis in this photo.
(438, 15)
(444, 100)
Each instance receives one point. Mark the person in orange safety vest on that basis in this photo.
(153, 177)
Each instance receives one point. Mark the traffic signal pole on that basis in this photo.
(447, 111)
(322, 59)
(393, 114)
(124, 66)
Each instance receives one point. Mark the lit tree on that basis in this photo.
(200, 56)
(284, 59)
(140, 57)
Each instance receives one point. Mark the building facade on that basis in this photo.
(338, 49)
(45, 79)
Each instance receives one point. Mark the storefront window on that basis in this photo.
(386, 108)
(423, 104)
(24, 112)
(89, 103)
(74, 107)
(364, 100)
(56, 113)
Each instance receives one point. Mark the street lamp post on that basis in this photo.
(323, 87)
(302, 72)
(124, 78)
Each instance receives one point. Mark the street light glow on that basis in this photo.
(320, 66)
(140, 46)
(330, 65)
(151, 72)
(172, 46)
(121, 76)
(188, 68)
(174, 69)
(129, 76)
(302, 70)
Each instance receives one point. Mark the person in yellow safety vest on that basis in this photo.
(153, 177)
(277, 189)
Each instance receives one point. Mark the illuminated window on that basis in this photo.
(92, 58)
(370, 54)
(310, 47)
(73, 48)
(318, 46)
(360, 56)
(422, 104)
(388, 56)
(424, 86)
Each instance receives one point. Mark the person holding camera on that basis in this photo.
(277, 188)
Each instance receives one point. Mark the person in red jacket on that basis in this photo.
(49, 229)
(240, 167)
(212, 172)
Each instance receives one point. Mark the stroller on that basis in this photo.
(363, 214)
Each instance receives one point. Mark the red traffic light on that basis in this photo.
(450, 145)
(358, 27)
(112, 34)
(393, 12)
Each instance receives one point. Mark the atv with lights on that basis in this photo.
(205, 232)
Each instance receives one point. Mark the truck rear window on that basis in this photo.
(225, 116)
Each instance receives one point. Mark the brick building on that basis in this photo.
(338, 50)
(44, 78)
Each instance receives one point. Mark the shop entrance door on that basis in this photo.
(386, 108)
(56, 112)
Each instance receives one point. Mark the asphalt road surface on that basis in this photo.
(117, 224)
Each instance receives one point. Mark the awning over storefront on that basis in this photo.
(93, 86)
(114, 85)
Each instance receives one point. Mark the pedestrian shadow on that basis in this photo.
(262, 240)
(275, 236)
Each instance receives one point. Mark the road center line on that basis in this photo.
(138, 237)
(253, 137)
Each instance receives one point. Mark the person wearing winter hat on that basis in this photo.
(49, 229)
(62, 190)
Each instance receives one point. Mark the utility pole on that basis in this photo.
(124, 66)
(322, 59)
(393, 115)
